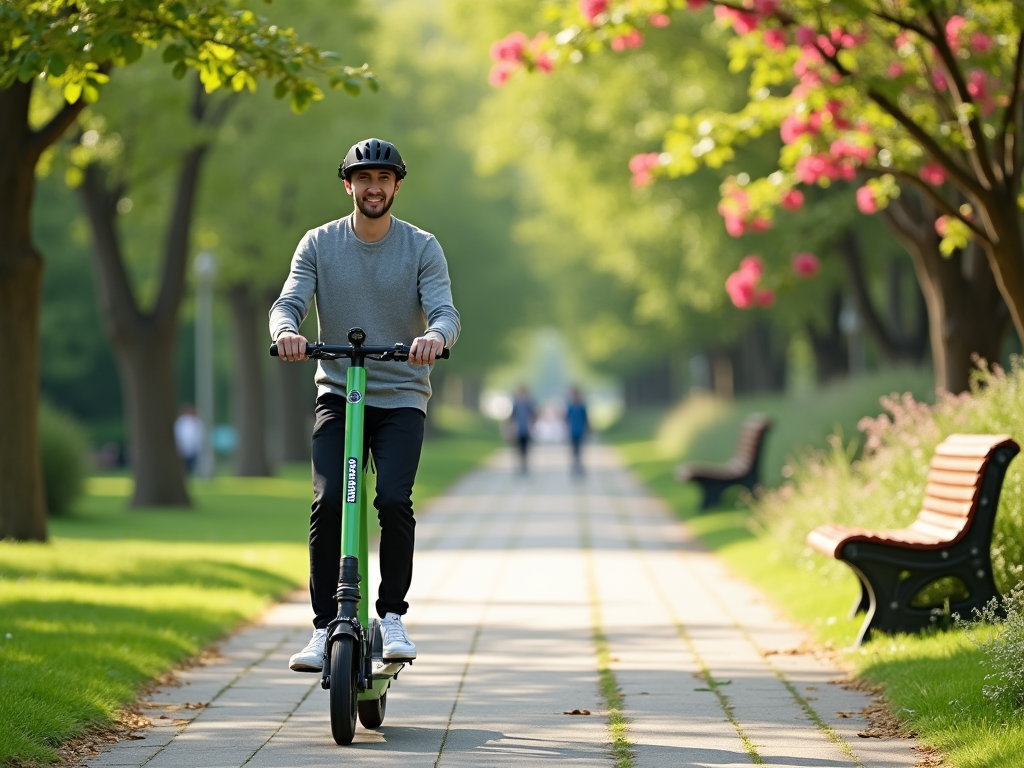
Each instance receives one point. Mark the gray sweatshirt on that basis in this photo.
(395, 289)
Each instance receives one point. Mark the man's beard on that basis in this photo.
(370, 213)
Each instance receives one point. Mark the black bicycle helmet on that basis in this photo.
(372, 153)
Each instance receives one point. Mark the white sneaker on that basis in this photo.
(310, 658)
(397, 645)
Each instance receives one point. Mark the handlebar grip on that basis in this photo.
(445, 353)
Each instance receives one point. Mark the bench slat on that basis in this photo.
(941, 490)
(945, 477)
(935, 534)
(942, 506)
(963, 450)
(945, 524)
(954, 464)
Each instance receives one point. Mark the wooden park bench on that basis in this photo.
(951, 538)
(744, 468)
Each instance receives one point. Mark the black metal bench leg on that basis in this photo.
(712, 491)
(862, 603)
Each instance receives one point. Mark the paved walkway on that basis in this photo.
(525, 588)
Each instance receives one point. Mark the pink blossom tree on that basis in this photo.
(919, 104)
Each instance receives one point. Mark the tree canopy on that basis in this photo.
(891, 94)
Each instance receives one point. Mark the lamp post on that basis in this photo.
(205, 269)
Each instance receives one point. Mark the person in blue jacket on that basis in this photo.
(576, 417)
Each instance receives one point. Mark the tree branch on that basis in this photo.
(962, 177)
(46, 135)
(117, 299)
(979, 153)
(1009, 116)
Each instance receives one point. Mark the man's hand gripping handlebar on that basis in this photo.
(334, 352)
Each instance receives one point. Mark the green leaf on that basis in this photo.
(90, 93)
(300, 101)
(174, 53)
(131, 50)
(180, 70)
(72, 92)
(57, 65)
(352, 86)
(373, 83)
(281, 89)
(329, 56)
(30, 66)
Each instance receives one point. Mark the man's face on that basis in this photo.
(373, 189)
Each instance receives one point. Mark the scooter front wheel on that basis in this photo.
(343, 690)
(371, 713)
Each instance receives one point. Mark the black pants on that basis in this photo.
(395, 437)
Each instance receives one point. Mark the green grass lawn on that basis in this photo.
(120, 596)
(933, 682)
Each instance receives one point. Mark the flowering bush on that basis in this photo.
(1003, 650)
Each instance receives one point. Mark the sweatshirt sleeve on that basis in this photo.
(435, 290)
(292, 306)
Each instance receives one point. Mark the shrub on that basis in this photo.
(884, 488)
(1003, 650)
(64, 450)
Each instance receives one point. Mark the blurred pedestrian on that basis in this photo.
(188, 436)
(576, 418)
(521, 420)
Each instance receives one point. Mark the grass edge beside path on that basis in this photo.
(120, 597)
(932, 682)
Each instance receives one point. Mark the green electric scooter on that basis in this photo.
(354, 670)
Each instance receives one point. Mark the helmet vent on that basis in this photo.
(359, 155)
(387, 153)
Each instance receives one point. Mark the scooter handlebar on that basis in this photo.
(335, 351)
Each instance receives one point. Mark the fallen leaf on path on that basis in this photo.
(577, 712)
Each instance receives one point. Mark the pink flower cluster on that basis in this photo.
(805, 265)
(641, 166)
(933, 174)
(793, 200)
(815, 168)
(866, 200)
(735, 210)
(510, 53)
(591, 9)
(815, 47)
(745, 22)
(658, 20)
(744, 285)
(979, 86)
(960, 42)
(794, 125)
(631, 39)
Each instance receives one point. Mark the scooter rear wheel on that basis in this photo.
(371, 713)
(343, 690)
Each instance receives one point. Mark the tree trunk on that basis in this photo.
(831, 356)
(22, 501)
(249, 398)
(758, 365)
(144, 341)
(146, 362)
(1006, 257)
(966, 317)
